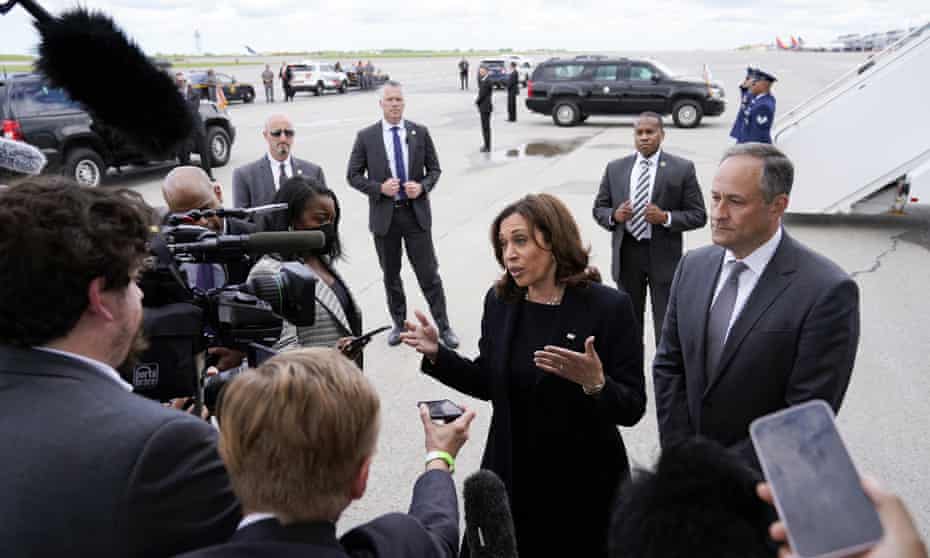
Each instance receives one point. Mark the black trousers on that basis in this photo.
(422, 256)
(486, 129)
(635, 275)
(463, 80)
(511, 106)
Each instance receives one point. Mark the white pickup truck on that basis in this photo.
(317, 77)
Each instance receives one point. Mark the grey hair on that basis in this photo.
(391, 83)
(777, 170)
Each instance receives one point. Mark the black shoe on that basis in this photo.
(394, 336)
(485, 150)
(449, 338)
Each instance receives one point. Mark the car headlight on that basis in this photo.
(715, 92)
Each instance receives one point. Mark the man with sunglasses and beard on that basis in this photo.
(256, 183)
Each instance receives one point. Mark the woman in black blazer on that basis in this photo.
(561, 359)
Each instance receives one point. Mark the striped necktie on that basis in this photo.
(638, 223)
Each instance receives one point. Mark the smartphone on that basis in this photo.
(359, 342)
(443, 410)
(818, 493)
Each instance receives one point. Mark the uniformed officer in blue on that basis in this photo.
(745, 98)
(760, 115)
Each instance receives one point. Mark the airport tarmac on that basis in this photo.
(883, 418)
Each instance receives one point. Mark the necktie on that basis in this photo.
(282, 176)
(719, 320)
(399, 163)
(205, 280)
(638, 223)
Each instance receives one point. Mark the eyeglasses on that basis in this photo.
(276, 133)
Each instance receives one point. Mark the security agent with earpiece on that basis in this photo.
(760, 113)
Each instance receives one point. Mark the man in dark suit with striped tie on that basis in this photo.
(647, 200)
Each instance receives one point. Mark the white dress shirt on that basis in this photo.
(756, 264)
(254, 518)
(104, 368)
(276, 170)
(388, 136)
(634, 180)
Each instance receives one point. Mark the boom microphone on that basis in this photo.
(489, 530)
(231, 247)
(20, 157)
(146, 108)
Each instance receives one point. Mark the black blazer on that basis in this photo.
(513, 83)
(91, 469)
(429, 530)
(676, 190)
(794, 340)
(485, 94)
(369, 167)
(580, 432)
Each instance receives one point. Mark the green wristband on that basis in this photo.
(444, 455)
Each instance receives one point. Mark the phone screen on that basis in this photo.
(817, 490)
(443, 410)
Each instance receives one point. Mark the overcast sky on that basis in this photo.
(168, 26)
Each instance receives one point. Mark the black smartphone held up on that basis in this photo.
(443, 410)
(818, 493)
(359, 342)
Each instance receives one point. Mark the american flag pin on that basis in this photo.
(570, 336)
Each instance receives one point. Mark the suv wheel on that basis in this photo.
(218, 142)
(248, 96)
(687, 113)
(85, 166)
(343, 87)
(566, 113)
(319, 89)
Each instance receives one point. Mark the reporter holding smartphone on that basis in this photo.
(311, 206)
(561, 359)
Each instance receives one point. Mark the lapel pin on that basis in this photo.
(570, 336)
(300, 171)
(662, 164)
(413, 132)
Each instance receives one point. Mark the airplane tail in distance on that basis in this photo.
(794, 43)
(780, 44)
(252, 52)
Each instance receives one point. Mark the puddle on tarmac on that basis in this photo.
(545, 149)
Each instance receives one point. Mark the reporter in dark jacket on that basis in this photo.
(298, 436)
(561, 360)
(483, 101)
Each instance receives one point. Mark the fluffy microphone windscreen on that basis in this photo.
(126, 91)
(489, 530)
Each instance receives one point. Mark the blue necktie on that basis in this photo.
(399, 163)
(205, 280)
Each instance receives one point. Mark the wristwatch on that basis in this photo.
(444, 455)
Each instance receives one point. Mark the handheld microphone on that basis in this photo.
(146, 108)
(489, 530)
(20, 157)
(222, 248)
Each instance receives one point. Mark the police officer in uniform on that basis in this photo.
(757, 127)
(745, 98)
(513, 89)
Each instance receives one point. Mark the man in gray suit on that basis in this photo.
(647, 200)
(755, 323)
(394, 163)
(255, 184)
(89, 468)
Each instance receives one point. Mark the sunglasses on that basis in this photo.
(276, 133)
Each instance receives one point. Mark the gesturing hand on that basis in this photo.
(584, 368)
(424, 337)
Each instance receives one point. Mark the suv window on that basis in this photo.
(35, 97)
(557, 72)
(642, 72)
(605, 73)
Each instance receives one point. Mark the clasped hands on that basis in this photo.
(391, 187)
(585, 369)
(654, 215)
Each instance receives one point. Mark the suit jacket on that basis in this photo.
(485, 95)
(253, 184)
(429, 530)
(513, 83)
(760, 115)
(567, 423)
(91, 469)
(794, 340)
(369, 167)
(676, 190)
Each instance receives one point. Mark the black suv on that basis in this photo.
(74, 143)
(572, 89)
(233, 90)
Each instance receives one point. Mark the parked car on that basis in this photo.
(574, 88)
(498, 70)
(233, 90)
(76, 144)
(377, 78)
(317, 77)
(525, 67)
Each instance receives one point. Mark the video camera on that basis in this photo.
(180, 321)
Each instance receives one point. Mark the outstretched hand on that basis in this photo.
(584, 368)
(422, 336)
